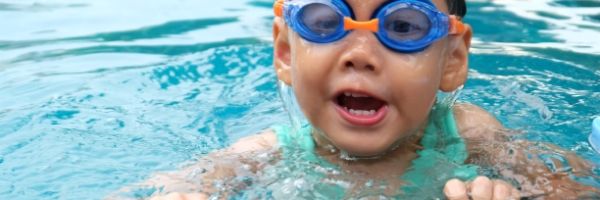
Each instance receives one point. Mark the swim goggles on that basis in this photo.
(404, 26)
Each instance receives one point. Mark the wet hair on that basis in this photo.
(457, 7)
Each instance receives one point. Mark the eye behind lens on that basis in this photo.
(320, 20)
(406, 24)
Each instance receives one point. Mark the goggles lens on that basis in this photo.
(406, 24)
(322, 20)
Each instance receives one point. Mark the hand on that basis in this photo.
(180, 196)
(482, 188)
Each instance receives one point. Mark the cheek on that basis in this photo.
(416, 80)
(416, 74)
(311, 70)
(427, 67)
(419, 96)
(312, 63)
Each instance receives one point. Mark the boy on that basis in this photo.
(365, 74)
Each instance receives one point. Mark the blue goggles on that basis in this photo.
(404, 26)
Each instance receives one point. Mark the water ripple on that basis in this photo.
(151, 32)
(170, 50)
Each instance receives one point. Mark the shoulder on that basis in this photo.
(474, 122)
(264, 140)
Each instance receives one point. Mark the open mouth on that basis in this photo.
(360, 109)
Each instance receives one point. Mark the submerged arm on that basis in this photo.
(203, 177)
(521, 161)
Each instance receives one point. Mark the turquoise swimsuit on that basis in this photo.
(442, 157)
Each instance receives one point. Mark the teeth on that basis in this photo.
(349, 94)
(361, 112)
(353, 112)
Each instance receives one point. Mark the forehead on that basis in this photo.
(370, 5)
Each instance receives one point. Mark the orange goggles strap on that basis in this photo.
(278, 8)
(456, 26)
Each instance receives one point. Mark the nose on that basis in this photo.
(361, 53)
(358, 64)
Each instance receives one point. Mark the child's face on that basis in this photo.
(401, 88)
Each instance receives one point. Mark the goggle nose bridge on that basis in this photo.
(371, 25)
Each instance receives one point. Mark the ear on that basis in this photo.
(454, 74)
(282, 51)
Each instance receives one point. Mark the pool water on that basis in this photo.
(96, 96)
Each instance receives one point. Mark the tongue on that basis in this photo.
(360, 103)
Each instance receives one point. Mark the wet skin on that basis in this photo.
(360, 65)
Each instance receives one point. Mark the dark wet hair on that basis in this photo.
(457, 7)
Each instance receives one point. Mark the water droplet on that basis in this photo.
(345, 156)
(369, 183)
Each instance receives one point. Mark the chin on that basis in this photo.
(363, 147)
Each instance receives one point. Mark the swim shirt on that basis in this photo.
(441, 159)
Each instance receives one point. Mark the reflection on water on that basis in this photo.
(569, 23)
(98, 95)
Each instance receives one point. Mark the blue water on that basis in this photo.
(95, 96)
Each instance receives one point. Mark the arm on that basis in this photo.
(490, 145)
(242, 157)
(245, 156)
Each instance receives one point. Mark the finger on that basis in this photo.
(455, 190)
(170, 196)
(515, 194)
(482, 188)
(502, 190)
(195, 196)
